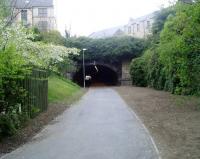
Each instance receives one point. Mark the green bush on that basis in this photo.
(155, 75)
(137, 72)
(179, 49)
(108, 49)
(11, 92)
(9, 124)
(172, 62)
(34, 111)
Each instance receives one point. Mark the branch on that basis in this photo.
(13, 16)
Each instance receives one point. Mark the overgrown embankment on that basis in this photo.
(23, 94)
(172, 62)
(61, 89)
(62, 93)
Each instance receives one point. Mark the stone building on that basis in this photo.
(107, 33)
(38, 13)
(140, 27)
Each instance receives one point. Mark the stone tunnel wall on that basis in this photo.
(125, 74)
(122, 69)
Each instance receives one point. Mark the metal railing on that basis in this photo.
(36, 87)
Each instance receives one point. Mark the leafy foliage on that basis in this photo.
(160, 19)
(109, 49)
(179, 49)
(18, 53)
(138, 72)
(4, 9)
(53, 37)
(172, 62)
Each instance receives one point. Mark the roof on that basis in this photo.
(32, 3)
(120, 29)
(143, 18)
(107, 32)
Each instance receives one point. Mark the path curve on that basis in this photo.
(99, 126)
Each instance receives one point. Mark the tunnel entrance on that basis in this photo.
(100, 76)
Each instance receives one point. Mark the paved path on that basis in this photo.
(100, 126)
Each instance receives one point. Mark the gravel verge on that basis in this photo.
(173, 121)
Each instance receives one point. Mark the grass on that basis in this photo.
(61, 90)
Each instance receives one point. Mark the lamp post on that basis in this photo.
(84, 67)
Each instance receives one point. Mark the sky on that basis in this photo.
(87, 16)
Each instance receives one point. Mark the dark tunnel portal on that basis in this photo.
(101, 75)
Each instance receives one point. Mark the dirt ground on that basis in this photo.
(35, 125)
(173, 121)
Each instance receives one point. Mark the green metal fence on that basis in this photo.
(36, 88)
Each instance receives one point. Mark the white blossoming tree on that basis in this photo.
(36, 53)
(18, 55)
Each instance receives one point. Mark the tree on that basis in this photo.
(19, 53)
(186, 1)
(160, 19)
(173, 62)
(110, 49)
(67, 32)
(137, 71)
(8, 11)
(179, 49)
(53, 37)
(4, 9)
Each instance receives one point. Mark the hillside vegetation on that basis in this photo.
(172, 61)
(60, 89)
(111, 49)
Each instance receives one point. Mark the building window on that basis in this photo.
(24, 17)
(129, 30)
(148, 24)
(138, 27)
(43, 25)
(42, 12)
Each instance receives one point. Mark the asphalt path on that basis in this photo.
(99, 126)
